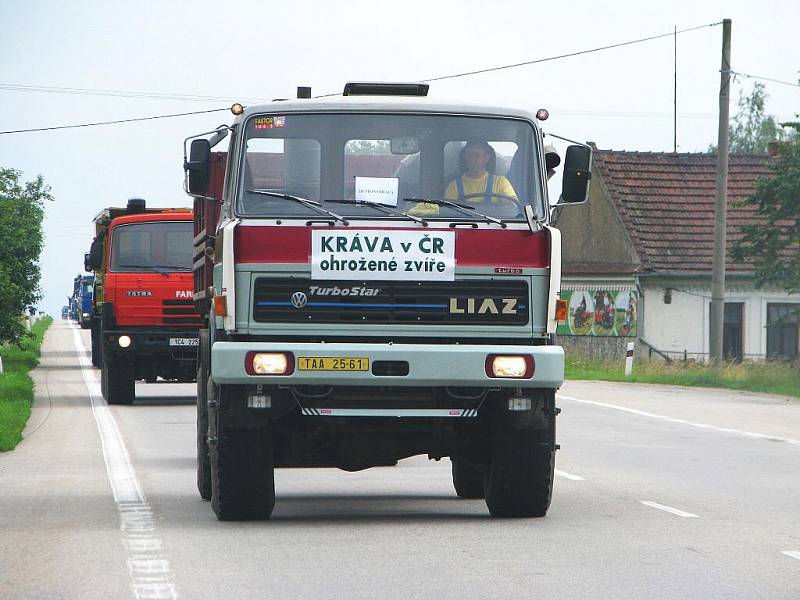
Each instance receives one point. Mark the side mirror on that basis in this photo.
(198, 166)
(577, 172)
(93, 260)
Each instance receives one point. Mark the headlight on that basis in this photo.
(124, 341)
(513, 366)
(269, 363)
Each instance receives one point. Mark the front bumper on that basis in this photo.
(154, 342)
(428, 364)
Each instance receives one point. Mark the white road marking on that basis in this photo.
(668, 509)
(791, 553)
(569, 476)
(149, 569)
(683, 421)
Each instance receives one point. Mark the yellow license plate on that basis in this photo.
(332, 363)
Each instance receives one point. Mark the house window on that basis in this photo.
(783, 330)
(732, 329)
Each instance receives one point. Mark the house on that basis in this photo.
(638, 262)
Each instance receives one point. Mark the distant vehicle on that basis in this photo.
(85, 301)
(65, 312)
(143, 323)
(74, 304)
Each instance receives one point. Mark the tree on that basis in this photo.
(751, 130)
(21, 215)
(772, 244)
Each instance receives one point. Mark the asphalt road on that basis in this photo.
(661, 492)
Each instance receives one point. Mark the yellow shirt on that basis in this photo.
(472, 185)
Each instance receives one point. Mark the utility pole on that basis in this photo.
(675, 95)
(721, 204)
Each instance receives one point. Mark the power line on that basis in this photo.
(557, 57)
(87, 91)
(120, 93)
(196, 112)
(571, 54)
(762, 78)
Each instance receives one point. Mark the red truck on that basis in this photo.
(144, 324)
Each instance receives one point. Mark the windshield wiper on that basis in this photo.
(155, 268)
(383, 208)
(312, 204)
(462, 208)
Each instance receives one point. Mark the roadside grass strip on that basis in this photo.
(669, 509)
(16, 386)
(641, 413)
(768, 377)
(149, 569)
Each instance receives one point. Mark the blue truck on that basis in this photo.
(84, 302)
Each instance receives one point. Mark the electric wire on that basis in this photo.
(556, 57)
(762, 78)
(135, 94)
(14, 87)
(196, 112)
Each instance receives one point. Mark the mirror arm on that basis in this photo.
(569, 140)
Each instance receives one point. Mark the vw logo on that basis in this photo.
(299, 300)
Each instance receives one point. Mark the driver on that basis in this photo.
(476, 176)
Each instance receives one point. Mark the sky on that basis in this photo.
(621, 98)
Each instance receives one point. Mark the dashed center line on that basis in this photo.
(569, 476)
(791, 553)
(669, 509)
(642, 413)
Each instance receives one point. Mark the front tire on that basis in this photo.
(97, 360)
(519, 480)
(203, 383)
(467, 478)
(242, 470)
(117, 380)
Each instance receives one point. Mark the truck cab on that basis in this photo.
(366, 304)
(144, 324)
(85, 300)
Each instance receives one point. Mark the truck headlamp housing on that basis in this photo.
(124, 341)
(510, 366)
(269, 363)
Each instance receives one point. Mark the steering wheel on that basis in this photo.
(513, 200)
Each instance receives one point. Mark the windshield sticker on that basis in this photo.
(382, 190)
(383, 255)
(270, 122)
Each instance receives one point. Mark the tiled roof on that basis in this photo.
(666, 202)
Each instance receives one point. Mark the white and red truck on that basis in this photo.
(364, 306)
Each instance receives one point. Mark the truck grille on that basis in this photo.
(467, 302)
(180, 312)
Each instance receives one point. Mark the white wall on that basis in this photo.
(684, 324)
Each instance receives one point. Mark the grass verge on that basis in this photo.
(767, 377)
(16, 386)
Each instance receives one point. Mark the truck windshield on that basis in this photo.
(349, 162)
(160, 246)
